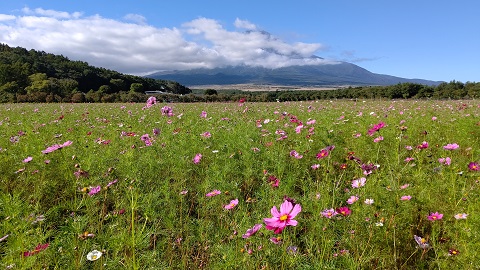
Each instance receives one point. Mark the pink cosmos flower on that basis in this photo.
(408, 159)
(274, 181)
(150, 102)
(168, 111)
(284, 218)
(94, 190)
(406, 198)
(315, 166)
(357, 183)
(206, 134)
(404, 186)
(378, 139)
(424, 145)
(461, 216)
(252, 231)
(231, 205)
(276, 240)
(197, 158)
(435, 216)
(323, 153)
(329, 213)
(295, 154)
(352, 199)
(213, 193)
(28, 159)
(311, 122)
(376, 128)
(451, 146)
(445, 161)
(344, 211)
(434, 118)
(203, 114)
(474, 166)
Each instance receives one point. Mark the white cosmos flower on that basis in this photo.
(94, 255)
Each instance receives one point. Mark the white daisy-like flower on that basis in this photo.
(94, 255)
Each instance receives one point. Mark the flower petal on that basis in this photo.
(286, 207)
(296, 209)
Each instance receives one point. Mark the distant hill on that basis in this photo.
(339, 74)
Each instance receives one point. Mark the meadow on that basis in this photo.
(366, 184)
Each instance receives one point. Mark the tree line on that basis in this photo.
(37, 76)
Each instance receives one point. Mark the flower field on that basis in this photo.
(302, 185)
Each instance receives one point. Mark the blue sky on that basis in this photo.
(434, 40)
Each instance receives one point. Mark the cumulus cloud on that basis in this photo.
(138, 48)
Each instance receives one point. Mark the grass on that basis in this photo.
(151, 210)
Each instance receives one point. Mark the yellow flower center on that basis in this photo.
(284, 217)
(423, 241)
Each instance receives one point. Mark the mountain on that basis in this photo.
(339, 74)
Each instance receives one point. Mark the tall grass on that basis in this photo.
(143, 204)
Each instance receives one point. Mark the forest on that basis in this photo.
(37, 76)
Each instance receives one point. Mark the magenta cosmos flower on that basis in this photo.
(434, 216)
(284, 218)
(474, 166)
(344, 211)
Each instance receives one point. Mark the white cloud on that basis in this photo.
(245, 24)
(5, 17)
(139, 48)
(136, 18)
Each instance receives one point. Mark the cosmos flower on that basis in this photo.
(323, 153)
(168, 111)
(94, 255)
(231, 205)
(435, 216)
(38, 248)
(375, 128)
(28, 159)
(445, 161)
(406, 198)
(368, 201)
(451, 146)
(197, 158)
(213, 193)
(357, 183)
(461, 216)
(344, 211)
(329, 213)
(94, 190)
(252, 231)
(283, 218)
(474, 166)
(422, 242)
(295, 154)
(352, 199)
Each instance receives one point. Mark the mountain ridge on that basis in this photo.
(332, 74)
